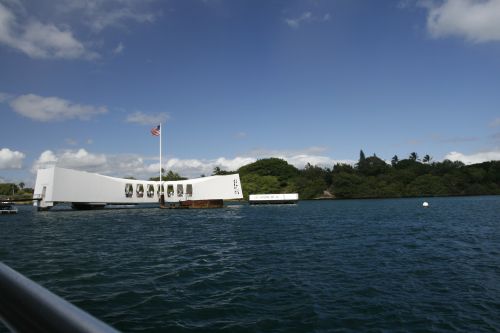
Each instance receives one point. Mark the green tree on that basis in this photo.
(342, 167)
(173, 176)
(271, 167)
(345, 185)
(170, 176)
(219, 172)
(372, 166)
(257, 184)
(413, 156)
(426, 185)
(312, 181)
(427, 159)
(310, 188)
(8, 189)
(362, 156)
(394, 160)
(446, 167)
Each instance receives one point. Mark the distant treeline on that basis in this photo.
(12, 190)
(371, 177)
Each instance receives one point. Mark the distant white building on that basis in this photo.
(287, 198)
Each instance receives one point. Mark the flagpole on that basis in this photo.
(161, 130)
(162, 195)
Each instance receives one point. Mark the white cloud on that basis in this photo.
(53, 108)
(295, 22)
(196, 167)
(99, 15)
(39, 40)
(73, 159)
(120, 165)
(233, 163)
(147, 119)
(299, 158)
(47, 159)
(474, 158)
(119, 48)
(117, 17)
(11, 159)
(476, 21)
(306, 17)
(145, 167)
(51, 33)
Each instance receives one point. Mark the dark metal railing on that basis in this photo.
(28, 307)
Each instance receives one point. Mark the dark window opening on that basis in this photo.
(170, 191)
(158, 190)
(151, 191)
(129, 190)
(139, 190)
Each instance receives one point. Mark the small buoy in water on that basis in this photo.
(425, 204)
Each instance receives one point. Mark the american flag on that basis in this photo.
(155, 131)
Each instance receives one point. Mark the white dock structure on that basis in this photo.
(85, 190)
(283, 198)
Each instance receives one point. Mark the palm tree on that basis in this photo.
(21, 185)
(413, 156)
(427, 159)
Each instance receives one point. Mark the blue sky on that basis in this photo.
(82, 82)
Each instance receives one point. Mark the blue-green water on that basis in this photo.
(347, 266)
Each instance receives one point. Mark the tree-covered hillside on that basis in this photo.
(371, 177)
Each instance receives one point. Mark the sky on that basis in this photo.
(82, 82)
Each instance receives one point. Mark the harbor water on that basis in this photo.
(318, 266)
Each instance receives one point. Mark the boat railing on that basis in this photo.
(26, 306)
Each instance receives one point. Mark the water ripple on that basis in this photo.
(346, 266)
